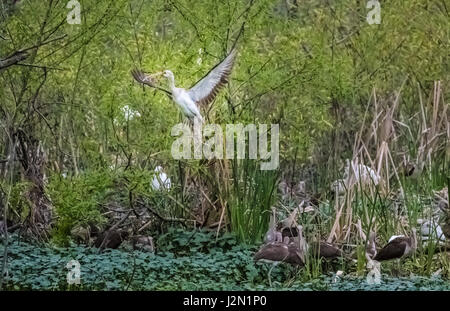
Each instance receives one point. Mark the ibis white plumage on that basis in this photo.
(160, 180)
(202, 93)
(431, 230)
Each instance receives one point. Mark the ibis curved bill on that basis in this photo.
(202, 93)
(271, 234)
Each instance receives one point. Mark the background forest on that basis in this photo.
(80, 139)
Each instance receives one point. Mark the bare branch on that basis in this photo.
(13, 59)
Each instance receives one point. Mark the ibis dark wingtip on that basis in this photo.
(141, 77)
(137, 75)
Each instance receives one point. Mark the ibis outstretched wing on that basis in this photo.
(146, 79)
(207, 88)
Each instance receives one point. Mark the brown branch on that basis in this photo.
(13, 59)
(159, 216)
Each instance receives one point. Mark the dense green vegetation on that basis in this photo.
(190, 261)
(340, 88)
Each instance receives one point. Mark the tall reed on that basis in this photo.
(251, 196)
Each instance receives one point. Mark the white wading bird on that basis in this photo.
(430, 230)
(202, 93)
(160, 179)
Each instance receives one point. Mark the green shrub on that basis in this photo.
(78, 201)
(19, 206)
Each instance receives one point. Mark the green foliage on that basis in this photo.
(19, 205)
(310, 68)
(185, 243)
(78, 200)
(414, 283)
(82, 199)
(209, 265)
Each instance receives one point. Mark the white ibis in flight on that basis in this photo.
(398, 247)
(202, 93)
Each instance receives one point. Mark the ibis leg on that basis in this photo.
(270, 271)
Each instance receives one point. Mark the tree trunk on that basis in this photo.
(32, 157)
